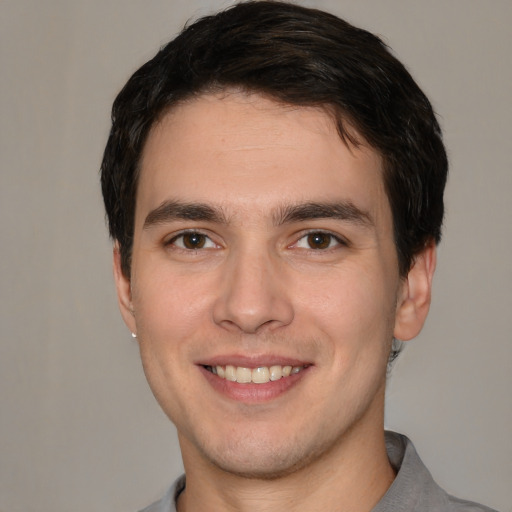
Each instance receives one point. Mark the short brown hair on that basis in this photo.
(297, 56)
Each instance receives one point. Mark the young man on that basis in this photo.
(274, 187)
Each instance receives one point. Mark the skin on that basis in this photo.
(258, 290)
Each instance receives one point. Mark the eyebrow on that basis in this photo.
(171, 210)
(340, 210)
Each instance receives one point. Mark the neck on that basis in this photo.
(352, 476)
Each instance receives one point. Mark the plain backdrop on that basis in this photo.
(79, 429)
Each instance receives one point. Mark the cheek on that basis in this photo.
(170, 305)
(170, 315)
(357, 300)
(353, 313)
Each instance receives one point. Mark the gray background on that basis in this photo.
(79, 429)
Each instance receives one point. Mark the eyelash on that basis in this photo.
(331, 236)
(207, 240)
(172, 241)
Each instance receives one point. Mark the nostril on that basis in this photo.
(251, 296)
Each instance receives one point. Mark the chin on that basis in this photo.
(260, 468)
(262, 459)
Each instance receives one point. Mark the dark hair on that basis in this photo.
(298, 56)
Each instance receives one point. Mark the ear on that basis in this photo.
(415, 294)
(124, 291)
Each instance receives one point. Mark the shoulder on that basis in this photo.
(168, 502)
(414, 489)
(458, 505)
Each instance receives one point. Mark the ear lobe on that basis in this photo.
(414, 300)
(124, 291)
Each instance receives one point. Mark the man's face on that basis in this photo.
(262, 241)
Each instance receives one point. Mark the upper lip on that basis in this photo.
(252, 361)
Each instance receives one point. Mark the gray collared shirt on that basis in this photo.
(413, 489)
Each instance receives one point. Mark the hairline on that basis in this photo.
(346, 128)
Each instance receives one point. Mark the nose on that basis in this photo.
(253, 295)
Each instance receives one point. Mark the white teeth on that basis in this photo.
(276, 372)
(286, 371)
(260, 375)
(243, 375)
(230, 373)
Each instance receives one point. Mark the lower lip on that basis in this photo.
(251, 392)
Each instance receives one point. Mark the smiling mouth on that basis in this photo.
(259, 375)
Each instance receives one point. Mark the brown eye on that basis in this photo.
(319, 240)
(193, 240)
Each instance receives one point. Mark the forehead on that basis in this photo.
(244, 150)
